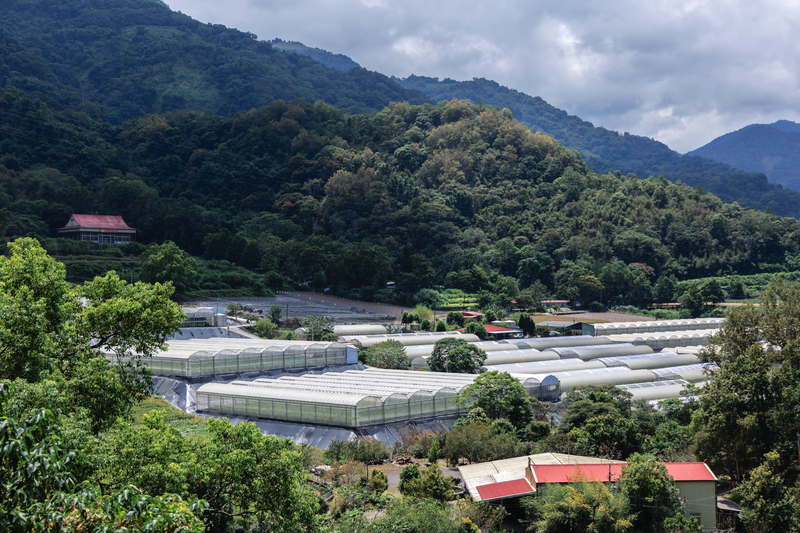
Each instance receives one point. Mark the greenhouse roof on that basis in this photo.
(290, 394)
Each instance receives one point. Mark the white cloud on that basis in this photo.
(682, 72)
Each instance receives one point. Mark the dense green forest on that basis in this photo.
(453, 195)
(134, 57)
(609, 151)
(771, 149)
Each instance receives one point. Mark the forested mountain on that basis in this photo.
(771, 149)
(134, 57)
(451, 194)
(122, 59)
(608, 151)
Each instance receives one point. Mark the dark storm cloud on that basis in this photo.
(682, 72)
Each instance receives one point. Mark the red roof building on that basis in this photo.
(107, 229)
(499, 333)
(696, 482)
(504, 489)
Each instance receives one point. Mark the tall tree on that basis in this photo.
(456, 356)
(500, 396)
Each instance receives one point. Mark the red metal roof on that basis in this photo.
(690, 472)
(600, 472)
(504, 489)
(491, 329)
(471, 314)
(570, 473)
(98, 221)
(495, 329)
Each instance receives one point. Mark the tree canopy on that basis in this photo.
(456, 355)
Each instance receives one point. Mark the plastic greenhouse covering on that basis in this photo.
(651, 360)
(658, 341)
(696, 372)
(486, 346)
(496, 358)
(601, 376)
(657, 390)
(587, 353)
(348, 399)
(407, 339)
(349, 330)
(209, 357)
(656, 326)
(552, 342)
(540, 367)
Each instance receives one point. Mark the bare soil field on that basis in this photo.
(374, 307)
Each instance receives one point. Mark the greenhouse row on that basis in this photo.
(496, 358)
(209, 357)
(654, 326)
(657, 390)
(658, 341)
(632, 362)
(524, 355)
(349, 330)
(543, 343)
(356, 398)
(587, 353)
(406, 339)
(347, 399)
(486, 346)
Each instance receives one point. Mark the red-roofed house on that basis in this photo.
(499, 333)
(696, 483)
(107, 229)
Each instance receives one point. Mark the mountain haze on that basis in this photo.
(771, 149)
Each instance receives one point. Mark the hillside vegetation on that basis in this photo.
(453, 195)
(609, 151)
(134, 57)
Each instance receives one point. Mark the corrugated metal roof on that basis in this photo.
(690, 472)
(98, 221)
(570, 473)
(505, 489)
(611, 472)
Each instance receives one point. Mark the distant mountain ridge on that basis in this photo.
(772, 149)
(329, 59)
(608, 151)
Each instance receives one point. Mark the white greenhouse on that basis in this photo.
(651, 360)
(657, 390)
(406, 339)
(349, 399)
(209, 357)
(543, 343)
(587, 353)
(656, 326)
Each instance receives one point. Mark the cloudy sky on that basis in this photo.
(680, 71)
